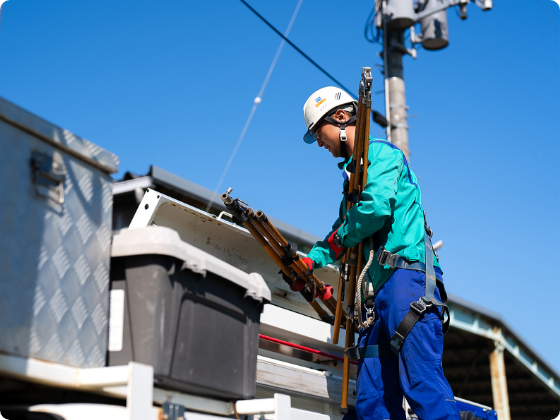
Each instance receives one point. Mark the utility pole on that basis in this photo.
(393, 18)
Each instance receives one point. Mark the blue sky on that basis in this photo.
(172, 83)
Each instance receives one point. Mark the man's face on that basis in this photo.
(328, 136)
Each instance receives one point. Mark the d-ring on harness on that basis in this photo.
(417, 308)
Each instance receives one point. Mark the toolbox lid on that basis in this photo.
(165, 241)
(58, 137)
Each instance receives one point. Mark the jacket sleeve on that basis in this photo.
(378, 198)
(321, 253)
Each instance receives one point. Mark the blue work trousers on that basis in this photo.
(417, 371)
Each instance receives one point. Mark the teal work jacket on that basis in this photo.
(390, 209)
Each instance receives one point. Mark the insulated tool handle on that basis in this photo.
(299, 266)
(349, 341)
(339, 300)
(282, 247)
(239, 215)
(352, 189)
(357, 183)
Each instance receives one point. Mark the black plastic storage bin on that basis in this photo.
(191, 316)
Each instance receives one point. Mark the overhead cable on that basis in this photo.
(548, 14)
(256, 103)
(376, 116)
(326, 73)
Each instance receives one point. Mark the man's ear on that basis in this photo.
(340, 115)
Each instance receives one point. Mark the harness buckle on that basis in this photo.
(369, 306)
(418, 306)
(428, 301)
(385, 257)
(353, 353)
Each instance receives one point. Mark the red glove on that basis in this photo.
(327, 292)
(309, 263)
(298, 285)
(335, 245)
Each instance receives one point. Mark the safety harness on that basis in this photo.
(417, 308)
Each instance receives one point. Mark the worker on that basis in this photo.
(407, 332)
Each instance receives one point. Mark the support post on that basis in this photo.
(396, 108)
(140, 392)
(499, 381)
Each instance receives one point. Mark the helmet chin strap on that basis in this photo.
(343, 137)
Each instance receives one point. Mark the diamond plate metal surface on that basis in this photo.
(54, 258)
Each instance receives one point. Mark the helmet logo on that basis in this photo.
(319, 101)
(337, 96)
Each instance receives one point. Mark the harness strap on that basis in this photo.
(396, 261)
(417, 308)
(420, 306)
(368, 352)
(430, 272)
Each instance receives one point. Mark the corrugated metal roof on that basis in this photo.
(158, 176)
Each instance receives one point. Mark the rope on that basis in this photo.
(358, 305)
(256, 103)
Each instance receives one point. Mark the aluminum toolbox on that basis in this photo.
(55, 225)
(190, 315)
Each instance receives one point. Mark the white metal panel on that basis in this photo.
(132, 184)
(307, 415)
(261, 405)
(101, 377)
(140, 392)
(301, 381)
(226, 241)
(300, 329)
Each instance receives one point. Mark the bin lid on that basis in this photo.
(165, 241)
(58, 137)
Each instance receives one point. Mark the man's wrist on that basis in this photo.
(335, 244)
(337, 241)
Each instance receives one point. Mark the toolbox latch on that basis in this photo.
(48, 176)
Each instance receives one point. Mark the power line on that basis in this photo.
(549, 17)
(376, 116)
(326, 73)
(256, 103)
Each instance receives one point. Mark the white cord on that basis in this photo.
(358, 304)
(256, 103)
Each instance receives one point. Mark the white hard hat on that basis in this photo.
(319, 104)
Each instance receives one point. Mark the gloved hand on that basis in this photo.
(309, 263)
(295, 285)
(327, 291)
(299, 284)
(336, 245)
